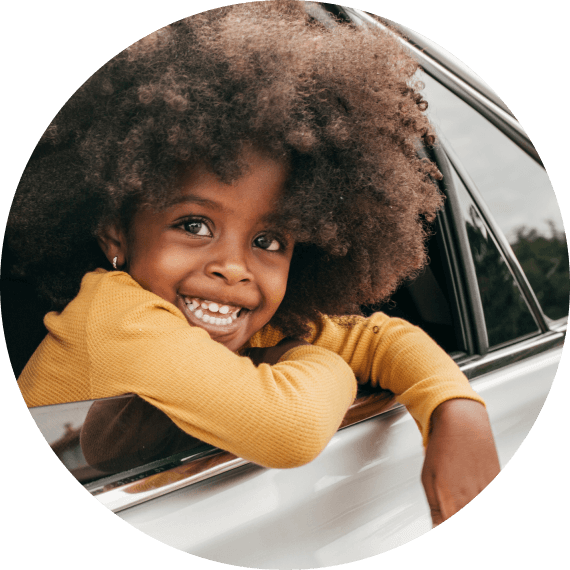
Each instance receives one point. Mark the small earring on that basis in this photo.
(115, 261)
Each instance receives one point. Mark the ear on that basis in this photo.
(113, 241)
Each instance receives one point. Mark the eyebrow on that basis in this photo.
(192, 199)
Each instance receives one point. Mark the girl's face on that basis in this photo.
(214, 254)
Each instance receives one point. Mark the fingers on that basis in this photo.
(442, 505)
(446, 493)
(436, 515)
(433, 503)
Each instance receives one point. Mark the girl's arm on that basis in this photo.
(461, 458)
(276, 416)
(394, 355)
(117, 338)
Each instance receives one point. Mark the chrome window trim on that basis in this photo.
(120, 493)
(195, 468)
(510, 354)
(464, 259)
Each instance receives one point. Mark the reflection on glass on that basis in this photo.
(515, 188)
(507, 315)
(544, 259)
(98, 438)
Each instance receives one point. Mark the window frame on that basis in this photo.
(549, 335)
(461, 264)
(505, 248)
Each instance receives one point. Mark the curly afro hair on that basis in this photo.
(340, 106)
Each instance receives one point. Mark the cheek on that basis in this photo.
(178, 261)
(276, 285)
(159, 268)
(164, 259)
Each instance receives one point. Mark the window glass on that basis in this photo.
(100, 438)
(507, 315)
(515, 188)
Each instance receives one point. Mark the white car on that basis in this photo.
(495, 296)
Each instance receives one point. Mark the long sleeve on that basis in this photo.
(128, 340)
(392, 354)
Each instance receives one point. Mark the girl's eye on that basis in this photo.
(197, 228)
(267, 243)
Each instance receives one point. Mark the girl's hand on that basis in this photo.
(272, 354)
(461, 458)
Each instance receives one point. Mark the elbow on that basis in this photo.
(299, 447)
(296, 458)
(300, 456)
(295, 432)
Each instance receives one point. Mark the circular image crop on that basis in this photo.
(284, 285)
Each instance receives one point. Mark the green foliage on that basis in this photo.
(506, 314)
(544, 260)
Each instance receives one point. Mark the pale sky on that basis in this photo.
(516, 189)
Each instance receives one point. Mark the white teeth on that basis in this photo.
(215, 320)
(199, 308)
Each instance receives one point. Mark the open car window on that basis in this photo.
(430, 301)
(116, 442)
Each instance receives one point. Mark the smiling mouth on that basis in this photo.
(211, 313)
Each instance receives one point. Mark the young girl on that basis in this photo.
(207, 212)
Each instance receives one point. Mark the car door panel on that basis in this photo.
(360, 497)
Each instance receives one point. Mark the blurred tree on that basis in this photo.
(544, 260)
(507, 315)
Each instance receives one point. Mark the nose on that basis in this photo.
(229, 262)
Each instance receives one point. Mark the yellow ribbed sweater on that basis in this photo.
(115, 337)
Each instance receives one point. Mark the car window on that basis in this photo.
(516, 189)
(507, 316)
(99, 438)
